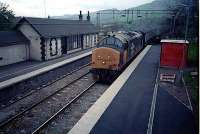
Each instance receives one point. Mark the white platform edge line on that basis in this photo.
(40, 71)
(89, 119)
(188, 96)
(4, 73)
(153, 104)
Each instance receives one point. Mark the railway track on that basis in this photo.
(12, 119)
(17, 91)
(37, 114)
(41, 87)
(62, 109)
(65, 120)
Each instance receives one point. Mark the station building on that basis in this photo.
(50, 38)
(46, 38)
(14, 47)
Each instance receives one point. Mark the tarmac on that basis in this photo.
(142, 105)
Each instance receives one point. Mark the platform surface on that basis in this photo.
(20, 71)
(171, 116)
(130, 112)
(13, 70)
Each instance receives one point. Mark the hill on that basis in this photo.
(114, 19)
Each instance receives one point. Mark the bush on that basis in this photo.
(193, 54)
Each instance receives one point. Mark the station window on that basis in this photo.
(75, 42)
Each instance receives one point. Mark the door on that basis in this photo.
(64, 45)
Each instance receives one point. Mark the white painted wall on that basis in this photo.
(47, 48)
(96, 40)
(92, 43)
(84, 41)
(89, 40)
(34, 37)
(13, 54)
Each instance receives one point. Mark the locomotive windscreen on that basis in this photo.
(112, 42)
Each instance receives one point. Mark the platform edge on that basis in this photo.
(17, 79)
(89, 119)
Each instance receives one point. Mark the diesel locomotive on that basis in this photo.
(114, 52)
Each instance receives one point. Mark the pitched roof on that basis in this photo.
(174, 41)
(12, 38)
(58, 27)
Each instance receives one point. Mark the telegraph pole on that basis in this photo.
(98, 20)
(127, 15)
(113, 15)
(132, 16)
(187, 21)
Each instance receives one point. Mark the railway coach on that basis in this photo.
(114, 52)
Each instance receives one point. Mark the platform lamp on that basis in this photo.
(187, 8)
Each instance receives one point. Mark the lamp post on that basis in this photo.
(187, 7)
(187, 21)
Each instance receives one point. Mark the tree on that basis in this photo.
(179, 25)
(6, 17)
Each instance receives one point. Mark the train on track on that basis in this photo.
(114, 52)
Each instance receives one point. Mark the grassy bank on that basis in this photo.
(193, 55)
(192, 78)
(192, 83)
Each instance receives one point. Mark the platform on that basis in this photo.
(134, 103)
(14, 73)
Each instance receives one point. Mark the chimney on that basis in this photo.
(88, 16)
(80, 16)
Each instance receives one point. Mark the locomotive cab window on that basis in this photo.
(103, 42)
(118, 43)
(111, 42)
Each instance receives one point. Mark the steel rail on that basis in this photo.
(37, 130)
(48, 84)
(4, 123)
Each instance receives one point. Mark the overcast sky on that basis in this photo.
(60, 7)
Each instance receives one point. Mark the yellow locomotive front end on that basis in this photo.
(105, 58)
(113, 53)
(108, 58)
(105, 63)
